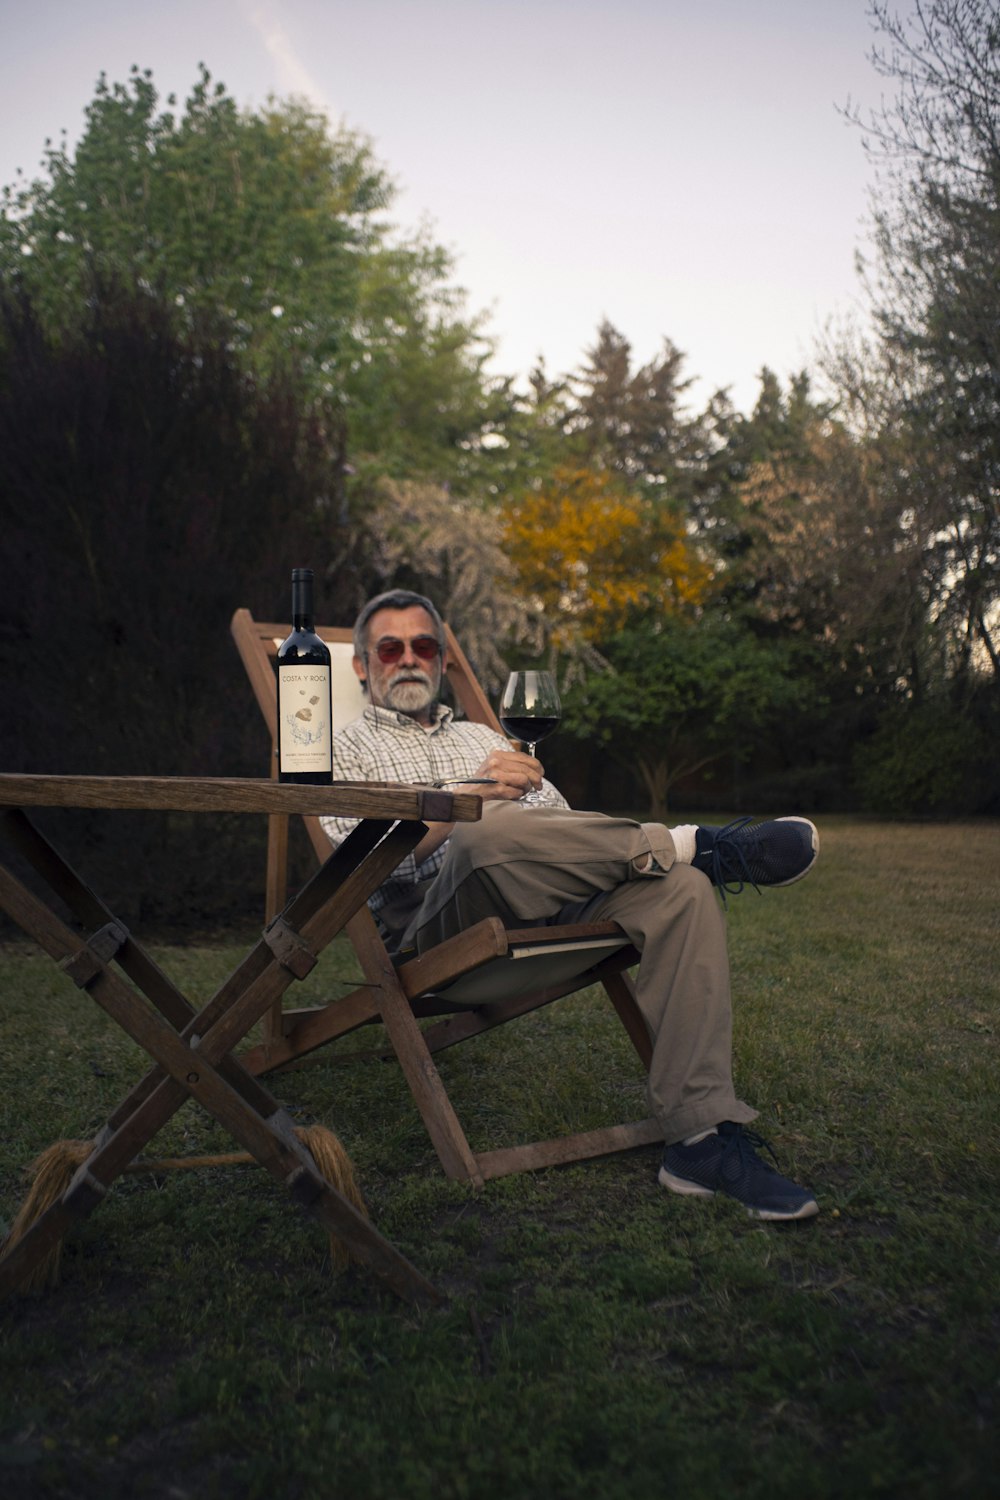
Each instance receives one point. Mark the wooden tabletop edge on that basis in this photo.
(393, 800)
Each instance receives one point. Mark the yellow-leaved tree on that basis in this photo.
(592, 555)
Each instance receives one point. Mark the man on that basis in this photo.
(548, 862)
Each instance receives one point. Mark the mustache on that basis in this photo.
(411, 674)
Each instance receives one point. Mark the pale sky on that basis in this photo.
(676, 166)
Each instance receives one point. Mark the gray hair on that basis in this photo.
(394, 599)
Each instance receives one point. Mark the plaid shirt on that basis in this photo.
(387, 746)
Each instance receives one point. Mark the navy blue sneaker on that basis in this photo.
(726, 1162)
(778, 852)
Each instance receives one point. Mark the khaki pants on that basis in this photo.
(533, 864)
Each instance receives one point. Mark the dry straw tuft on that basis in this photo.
(52, 1172)
(333, 1163)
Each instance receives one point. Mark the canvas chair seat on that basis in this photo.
(530, 961)
(477, 980)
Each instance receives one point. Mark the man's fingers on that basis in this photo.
(510, 765)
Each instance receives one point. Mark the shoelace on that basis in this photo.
(745, 1142)
(730, 870)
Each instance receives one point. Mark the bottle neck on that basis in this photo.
(303, 615)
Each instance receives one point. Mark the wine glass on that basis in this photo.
(529, 710)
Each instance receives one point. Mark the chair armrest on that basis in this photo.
(454, 957)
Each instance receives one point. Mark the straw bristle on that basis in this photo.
(51, 1174)
(333, 1162)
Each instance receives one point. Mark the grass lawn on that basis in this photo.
(601, 1338)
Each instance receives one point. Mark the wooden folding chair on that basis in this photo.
(472, 983)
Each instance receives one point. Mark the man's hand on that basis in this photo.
(513, 774)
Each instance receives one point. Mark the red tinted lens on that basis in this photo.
(389, 651)
(424, 646)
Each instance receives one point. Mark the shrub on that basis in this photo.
(933, 759)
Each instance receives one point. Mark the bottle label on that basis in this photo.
(304, 729)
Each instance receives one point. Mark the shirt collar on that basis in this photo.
(380, 717)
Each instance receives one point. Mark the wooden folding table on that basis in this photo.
(192, 1053)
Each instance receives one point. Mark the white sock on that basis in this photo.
(684, 842)
(692, 1140)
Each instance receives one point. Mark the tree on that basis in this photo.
(275, 226)
(681, 695)
(777, 431)
(630, 422)
(591, 554)
(936, 291)
(139, 471)
(526, 438)
(257, 216)
(826, 556)
(417, 397)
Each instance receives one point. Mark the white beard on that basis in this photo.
(410, 696)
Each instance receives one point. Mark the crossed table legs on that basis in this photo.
(192, 1053)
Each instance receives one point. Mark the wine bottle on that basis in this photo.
(305, 714)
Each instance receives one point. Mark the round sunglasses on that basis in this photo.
(425, 647)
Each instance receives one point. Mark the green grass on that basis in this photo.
(601, 1339)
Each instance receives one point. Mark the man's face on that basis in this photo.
(411, 683)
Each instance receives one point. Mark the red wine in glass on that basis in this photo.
(530, 731)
